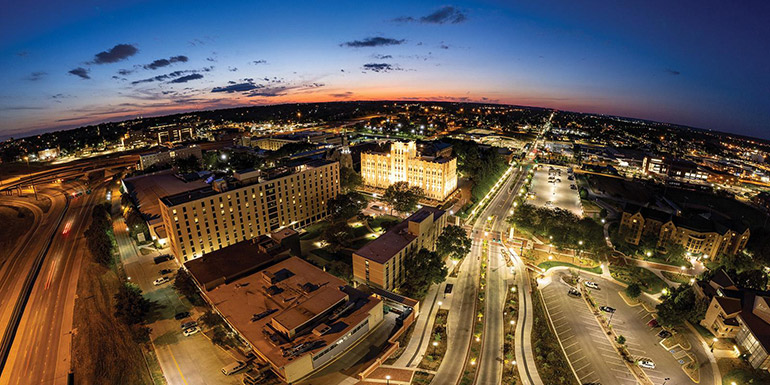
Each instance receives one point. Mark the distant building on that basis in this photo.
(172, 133)
(674, 168)
(738, 313)
(381, 262)
(294, 316)
(48, 154)
(698, 234)
(249, 204)
(762, 200)
(165, 157)
(436, 175)
(275, 142)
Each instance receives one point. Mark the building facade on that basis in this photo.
(436, 175)
(250, 204)
(381, 262)
(674, 168)
(166, 157)
(697, 234)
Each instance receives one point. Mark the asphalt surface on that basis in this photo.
(41, 351)
(559, 194)
(589, 351)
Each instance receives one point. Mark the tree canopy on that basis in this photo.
(562, 227)
(681, 304)
(187, 165)
(345, 206)
(349, 179)
(453, 242)
(634, 290)
(422, 269)
(338, 234)
(130, 306)
(402, 197)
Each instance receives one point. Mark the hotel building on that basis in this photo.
(436, 175)
(381, 262)
(249, 204)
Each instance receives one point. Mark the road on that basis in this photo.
(41, 350)
(184, 360)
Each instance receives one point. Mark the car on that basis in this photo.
(664, 334)
(574, 292)
(161, 258)
(165, 271)
(653, 323)
(647, 364)
(233, 367)
(252, 377)
(592, 285)
(189, 324)
(190, 331)
(181, 315)
(160, 281)
(607, 309)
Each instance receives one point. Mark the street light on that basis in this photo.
(713, 341)
(434, 347)
(387, 379)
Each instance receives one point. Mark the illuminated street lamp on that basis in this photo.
(387, 379)
(434, 347)
(713, 341)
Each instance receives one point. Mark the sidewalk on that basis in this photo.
(423, 326)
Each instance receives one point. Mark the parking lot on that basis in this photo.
(588, 349)
(643, 342)
(552, 187)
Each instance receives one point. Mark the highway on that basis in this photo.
(40, 353)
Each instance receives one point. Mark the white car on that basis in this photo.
(161, 281)
(592, 285)
(190, 331)
(647, 364)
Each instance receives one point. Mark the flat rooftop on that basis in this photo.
(148, 189)
(394, 240)
(298, 296)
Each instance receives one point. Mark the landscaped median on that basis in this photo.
(436, 351)
(510, 314)
(647, 280)
(471, 365)
(550, 264)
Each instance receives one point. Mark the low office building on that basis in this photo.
(381, 262)
(165, 157)
(436, 175)
(699, 234)
(249, 204)
(294, 316)
(674, 168)
(740, 314)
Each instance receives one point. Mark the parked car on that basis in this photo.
(161, 281)
(574, 292)
(664, 334)
(647, 364)
(252, 377)
(607, 309)
(181, 315)
(592, 285)
(653, 323)
(190, 331)
(165, 271)
(233, 367)
(162, 258)
(189, 324)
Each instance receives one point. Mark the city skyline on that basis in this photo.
(71, 66)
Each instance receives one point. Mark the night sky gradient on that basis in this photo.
(700, 63)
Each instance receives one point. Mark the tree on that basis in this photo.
(634, 290)
(187, 165)
(675, 252)
(422, 269)
(338, 235)
(402, 197)
(621, 340)
(211, 319)
(453, 243)
(184, 285)
(603, 213)
(130, 306)
(750, 279)
(345, 206)
(679, 305)
(349, 179)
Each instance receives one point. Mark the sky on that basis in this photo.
(698, 63)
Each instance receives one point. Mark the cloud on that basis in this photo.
(232, 69)
(443, 46)
(165, 62)
(372, 42)
(260, 61)
(345, 94)
(185, 79)
(446, 14)
(235, 87)
(35, 76)
(125, 72)
(115, 54)
(81, 72)
(381, 56)
(380, 67)
(22, 53)
(174, 75)
(672, 72)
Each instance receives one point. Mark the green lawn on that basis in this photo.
(680, 278)
(314, 230)
(377, 223)
(360, 231)
(649, 282)
(549, 264)
(359, 243)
